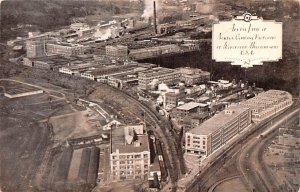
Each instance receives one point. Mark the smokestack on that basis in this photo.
(154, 17)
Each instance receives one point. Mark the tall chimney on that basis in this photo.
(154, 17)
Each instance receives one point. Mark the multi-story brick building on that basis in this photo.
(191, 76)
(46, 47)
(162, 75)
(216, 131)
(118, 52)
(131, 160)
(186, 109)
(168, 76)
(35, 48)
(67, 49)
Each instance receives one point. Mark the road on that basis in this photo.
(257, 175)
(207, 171)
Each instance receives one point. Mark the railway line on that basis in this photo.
(199, 182)
(162, 130)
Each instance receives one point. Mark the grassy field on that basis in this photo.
(23, 143)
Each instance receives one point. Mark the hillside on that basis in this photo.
(19, 17)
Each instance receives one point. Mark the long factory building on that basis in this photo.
(168, 76)
(267, 104)
(209, 136)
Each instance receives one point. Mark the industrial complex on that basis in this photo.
(92, 109)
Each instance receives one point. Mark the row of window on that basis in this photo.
(130, 156)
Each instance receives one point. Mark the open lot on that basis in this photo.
(285, 171)
(23, 141)
(31, 131)
(76, 124)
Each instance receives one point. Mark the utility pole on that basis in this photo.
(145, 121)
(111, 139)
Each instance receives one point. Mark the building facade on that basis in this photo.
(118, 52)
(185, 110)
(35, 48)
(143, 53)
(131, 161)
(171, 99)
(191, 76)
(162, 75)
(46, 47)
(216, 131)
(67, 49)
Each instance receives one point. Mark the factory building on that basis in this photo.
(131, 161)
(179, 113)
(206, 138)
(35, 48)
(159, 74)
(171, 98)
(101, 74)
(53, 62)
(269, 103)
(67, 49)
(144, 53)
(43, 47)
(118, 52)
(79, 26)
(191, 76)
(76, 69)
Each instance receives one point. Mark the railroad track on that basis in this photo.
(199, 181)
(159, 127)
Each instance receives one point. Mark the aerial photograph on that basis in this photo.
(149, 95)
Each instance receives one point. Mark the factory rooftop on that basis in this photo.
(158, 70)
(267, 98)
(82, 66)
(66, 44)
(189, 106)
(133, 148)
(218, 121)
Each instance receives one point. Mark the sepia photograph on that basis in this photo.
(149, 95)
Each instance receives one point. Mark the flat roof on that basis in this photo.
(82, 66)
(189, 106)
(131, 148)
(266, 98)
(219, 120)
(157, 70)
(191, 116)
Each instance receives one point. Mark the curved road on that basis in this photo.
(206, 172)
(256, 174)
